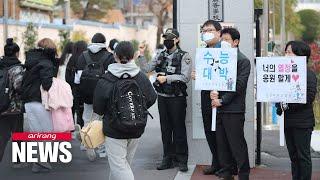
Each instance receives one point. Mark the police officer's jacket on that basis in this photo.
(177, 70)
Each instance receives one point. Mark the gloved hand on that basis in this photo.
(279, 110)
(285, 106)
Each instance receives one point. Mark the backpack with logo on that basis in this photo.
(91, 74)
(4, 89)
(128, 104)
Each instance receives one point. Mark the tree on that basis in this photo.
(30, 37)
(293, 22)
(310, 20)
(79, 36)
(64, 38)
(161, 9)
(94, 9)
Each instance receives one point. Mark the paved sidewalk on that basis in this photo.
(315, 140)
(148, 155)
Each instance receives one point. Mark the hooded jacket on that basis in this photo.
(41, 66)
(96, 52)
(103, 94)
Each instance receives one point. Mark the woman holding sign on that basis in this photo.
(299, 120)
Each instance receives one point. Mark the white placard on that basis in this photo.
(282, 79)
(216, 69)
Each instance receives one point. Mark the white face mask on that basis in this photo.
(225, 44)
(206, 37)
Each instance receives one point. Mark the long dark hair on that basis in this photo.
(66, 50)
(78, 48)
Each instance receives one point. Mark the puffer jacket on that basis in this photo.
(41, 66)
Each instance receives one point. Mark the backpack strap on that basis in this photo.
(104, 57)
(101, 61)
(110, 77)
(87, 57)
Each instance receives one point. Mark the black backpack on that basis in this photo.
(91, 74)
(128, 105)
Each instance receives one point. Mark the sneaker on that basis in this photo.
(82, 148)
(77, 129)
(210, 171)
(165, 164)
(45, 165)
(91, 154)
(19, 165)
(35, 168)
(102, 154)
(101, 150)
(183, 167)
(226, 178)
(41, 167)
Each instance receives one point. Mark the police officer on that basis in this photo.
(173, 68)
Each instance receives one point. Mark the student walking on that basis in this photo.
(41, 66)
(11, 115)
(123, 96)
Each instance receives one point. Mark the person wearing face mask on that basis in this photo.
(211, 36)
(299, 119)
(173, 67)
(231, 107)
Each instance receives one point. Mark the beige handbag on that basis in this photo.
(92, 135)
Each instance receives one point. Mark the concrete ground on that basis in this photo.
(148, 155)
(275, 162)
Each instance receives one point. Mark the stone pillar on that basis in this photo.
(190, 14)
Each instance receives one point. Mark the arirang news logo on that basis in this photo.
(41, 147)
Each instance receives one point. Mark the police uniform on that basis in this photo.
(172, 103)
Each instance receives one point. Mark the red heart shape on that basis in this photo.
(295, 77)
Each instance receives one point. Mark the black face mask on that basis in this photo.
(169, 44)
